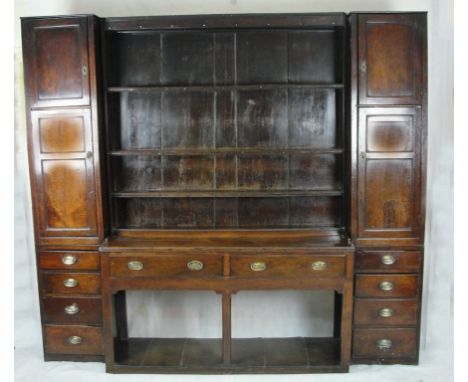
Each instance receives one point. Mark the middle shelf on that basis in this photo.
(227, 193)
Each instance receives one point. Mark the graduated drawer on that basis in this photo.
(166, 265)
(72, 310)
(69, 260)
(71, 283)
(385, 312)
(73, 339)
(386, 285)
(385, 343)
(388, 261)
(288, 265)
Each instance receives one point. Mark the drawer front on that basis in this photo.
(386, 286)
(384, 343)
(385, 312)
(388, 261)
(72, 310)
(166, 265)
(69, 260)
(73, 339)
(71, 283)
(288, 265)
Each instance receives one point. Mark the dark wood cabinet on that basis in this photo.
(228, 153)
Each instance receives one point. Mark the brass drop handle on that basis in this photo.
(384, 344)
(70, 283)
(386, 312)
(319, 265)
(69, 260)
(135, 265)
(195, 265)
(258, 266)
(388, 259)
(74, 340)
(72, 309)
(386, 286)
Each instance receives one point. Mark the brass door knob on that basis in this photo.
(135, 265)
(72, 309)
(384, 344)
(69, 259)
(195, 265)
(386, 286)
(388, 259)
(70, 283)
(258, 266)
(74, 340)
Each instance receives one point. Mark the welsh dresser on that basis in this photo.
(228, 153)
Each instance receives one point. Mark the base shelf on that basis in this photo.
(249, 355)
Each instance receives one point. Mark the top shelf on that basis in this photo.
(119, 89)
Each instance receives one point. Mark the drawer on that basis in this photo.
(166, 265)
(386, 285)
(72, 310)
(384, 343)
(71, 283)
(388, 261)
(385, 312)
(288, 265)
(73, 339)
(69, 260)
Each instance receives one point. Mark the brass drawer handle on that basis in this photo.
(195, 265)
(72, 309)
(386, 312)
(388, 259)
(258, 266)
(319, 265)
(70, 283)
(135, 265)
(74, 340)
(386, 286)
(384, 344)
(69, 259)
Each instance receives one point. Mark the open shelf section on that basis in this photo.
(248, 355)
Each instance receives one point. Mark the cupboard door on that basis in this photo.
(390, 58)
(56, 61)
(64, 173)
(389, 172)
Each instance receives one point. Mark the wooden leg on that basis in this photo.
(120, 308)
(337, 315)
(107, 315)
(226, 328)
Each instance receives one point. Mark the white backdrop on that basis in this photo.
(255, 314)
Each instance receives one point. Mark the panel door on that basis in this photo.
(56, 61)
(389, 172)
(390, 58)
(64, 173)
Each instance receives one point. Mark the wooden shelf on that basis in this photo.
(227, 193)
(119, 89)
(249, 355)
(225, 150)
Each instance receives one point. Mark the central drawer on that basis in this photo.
(288, 265)
(166, 265)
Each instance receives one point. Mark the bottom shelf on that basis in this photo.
(249, 355)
